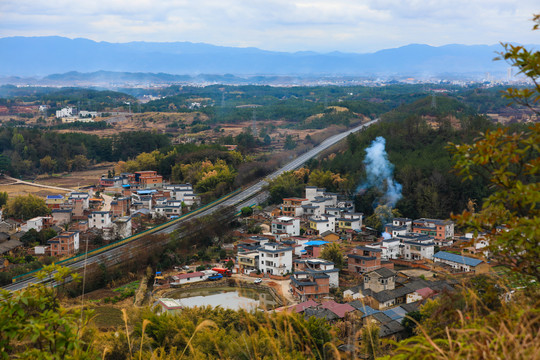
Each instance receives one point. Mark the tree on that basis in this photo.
(26, 207)
(246, 211)
(34, 325)
(510, 216)
(289, 143)
(3, 198)
(332, 252)
(528, 64)
(48, 164)
(230, 264)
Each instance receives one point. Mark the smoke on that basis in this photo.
(379, 174)
(386, 235)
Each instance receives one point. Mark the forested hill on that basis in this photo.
(416, 136)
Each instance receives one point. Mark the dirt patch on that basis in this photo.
(22, 190)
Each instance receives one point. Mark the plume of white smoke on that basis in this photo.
(379, 174)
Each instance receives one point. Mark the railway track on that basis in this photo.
(252, 195)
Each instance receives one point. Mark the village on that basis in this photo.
(374, 278)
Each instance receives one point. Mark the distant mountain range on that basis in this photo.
(42, 56)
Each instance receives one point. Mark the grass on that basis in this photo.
(130, 286)
(107, 317)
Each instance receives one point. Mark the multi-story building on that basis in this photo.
(54, 201)
(415, 246)
(318, 266)
(82, 197)
(285, 225)
(100, 219)
(66, 243)
(170, 209)
(275, 259)
(348, 221)
(293, 206)
(248, 261)
(120, 206)
(323, 223)
(391, 248)
(364, 259)
(183, 192)
(440, 229)
(65, 112)
(380, 280)
(61, 216)
(310, 285)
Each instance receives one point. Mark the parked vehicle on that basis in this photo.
(215, 277)
(258, 281)
(222, 271)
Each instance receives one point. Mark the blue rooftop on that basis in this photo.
(460, 259)
(55, 196)
(316, 243)
(368, 310)
(146, 192)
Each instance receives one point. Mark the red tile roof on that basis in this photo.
(338, 309)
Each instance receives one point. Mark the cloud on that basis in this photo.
(294, 25)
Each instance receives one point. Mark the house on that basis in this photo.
(114, 182)
(380, 280)
(354, 292)
(248, 261)
(82, 197)
(180, 279)
(418, 249)
(275, 259)
(391, 248)
(292, 207)
(171, 208)
(122, 227)
(323, 223)
(318, 266)
(286, 225)
(405, 222)
(54, 201)
(7, 246)
(312, 249)
(183, 193)
(387, 298)
(61, 216)
(147, 179)
(65, 112)
(99, 219)
(66, 243)
(306, 285)
(10, 226)
(329, 236)
(339, 309)
(349, 222)
(120, 206)
(394, 231)
(35, 223)
(364, 259)
(440, 229)
(461, 263)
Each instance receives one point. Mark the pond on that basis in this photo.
(227, 297)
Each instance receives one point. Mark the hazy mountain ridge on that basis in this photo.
(40, 56)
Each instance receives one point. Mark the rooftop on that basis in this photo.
(460, 259)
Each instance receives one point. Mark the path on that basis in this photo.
(18, 181)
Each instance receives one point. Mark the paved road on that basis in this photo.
(249, 196)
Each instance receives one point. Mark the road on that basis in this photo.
(249, 196)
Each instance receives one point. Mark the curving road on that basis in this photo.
(249, 196)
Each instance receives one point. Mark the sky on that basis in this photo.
(359, 26)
